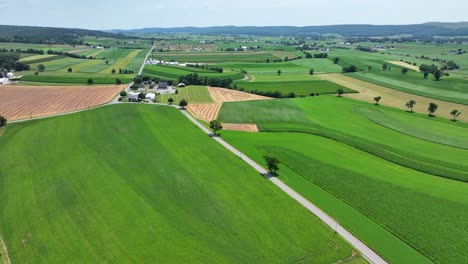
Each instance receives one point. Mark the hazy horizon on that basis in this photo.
(166, 14)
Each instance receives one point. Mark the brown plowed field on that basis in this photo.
(240, 127)
(22, 102)
(205, 112)
(394, 98)
(221, 95)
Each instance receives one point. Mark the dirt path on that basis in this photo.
(4, 257)
(394, 98)
(404, 64)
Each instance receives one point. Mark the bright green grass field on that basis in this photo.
(300, 88)
(265, 68)
(175, 72)
(139, 183)
(216, 57)
(398, 210)
(192, 94)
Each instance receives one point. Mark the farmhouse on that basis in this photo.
(150, 96)
(133, 96)
(4, 81)
(162, 85)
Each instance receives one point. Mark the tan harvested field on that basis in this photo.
(221, 95)
(240, 127)
(208, 112)
(22, 102)
(404, 64)
(205, 112)
(394, 98)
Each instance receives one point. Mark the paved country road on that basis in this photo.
(367, 253)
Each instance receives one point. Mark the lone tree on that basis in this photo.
(425, 74)
(437, 75)
(170, 100)
(311, 71)
(113, 71)
(3, 121)
(377, 99)
(118, 81)
(455, 113)
(384, 67)
(336, 60)
(279, 72)
(340, 92)
(41, 67)
(410, 104)
(215, 125)
(272, 164)
(107, 62)
(432, 108)
(70, 70)
(183, 103)
(404, 70)
(123, 93)
(90, 81)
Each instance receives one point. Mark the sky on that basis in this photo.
(134, 14)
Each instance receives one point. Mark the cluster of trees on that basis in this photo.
(450, 65)
(351, 68)
(322, 55)
(206, 67)
(195, 79)
(10, 61)
(431, 69)
(366, 49)
(125, 71)
(31, 51)
(3, 121)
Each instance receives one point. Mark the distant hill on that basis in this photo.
(417, 30)
(27, 34)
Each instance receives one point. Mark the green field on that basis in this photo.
(330, 154)
(264, 68)
(98, 69)
(192, 94)
(300, 88)
(144, 185)
(216, 57)
(173, 73)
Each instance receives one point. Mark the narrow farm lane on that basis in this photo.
(367, 253)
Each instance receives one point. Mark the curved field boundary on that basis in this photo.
(205, 112)
(23, 102)
(222, 95)
(394, 98)
(406, 159)
(408, 129)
